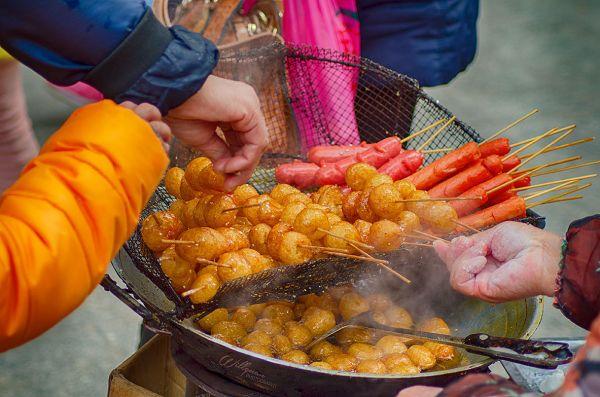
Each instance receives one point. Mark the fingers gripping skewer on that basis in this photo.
(435, 134)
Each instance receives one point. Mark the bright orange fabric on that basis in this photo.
(68, 214)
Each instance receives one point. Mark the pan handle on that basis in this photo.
(123, 295)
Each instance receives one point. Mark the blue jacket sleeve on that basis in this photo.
(117, 46)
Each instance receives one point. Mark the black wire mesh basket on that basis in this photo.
(311, 97)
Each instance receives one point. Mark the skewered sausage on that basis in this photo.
(477, 173)
(504, 211)
(159, 226)
(297, 173)
(330, 153)
(498, 146)
(403, 165)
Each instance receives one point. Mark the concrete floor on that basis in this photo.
(539, 53)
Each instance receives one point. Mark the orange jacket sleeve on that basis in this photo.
(68, 214)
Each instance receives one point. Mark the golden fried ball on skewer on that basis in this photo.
(180, 272)
(228, 331)
(295, 198)
(281, 345)
(364, 351)
(242, 224)
(245, 317)
(200, 210)
(386, 235)
(309, 221)
(187, 215)
(350, 205)
(408, 221)
(290, 212)
(363, 228)
(186, 192)
(363, 209)
(242, 193)
(358, 174)
(236, 240)
(292, 250)
(377, 180)
(215, 214)
(207, 322)
(342, 229)
(418, 207)
(371, 367)
(405, 188)
(352, 304)
(238, 266)
(298, 334)
(383, 201)
(177, 208)
(389, 344)
(206, 286)
(323, 349)
(208, 244)
(296, 357)
(161, 225)
(333, 218)
(441, 217)
(252, 213)
(421, 356)
(342, 361)
(257, 262)
(331, 197)
(318, 320)
(258, 237)
(200, 174)
(281, 190)
(270, 212)
(173, 179)
(274, 238)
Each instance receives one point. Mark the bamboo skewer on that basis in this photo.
(511, 125)
(436, 133)
(241, 207)
(572, 167)
(513, 180)
(167, 241)
(349, 240)
(441, 150)
(438, 199)
(471, 228)
(321, 248)
(534, 155)
(192, 291)
(546, 191)
(417, 244)
(351, 256)
(552, 163)
(533, 142)
(209, 262)
(558, 197)
(563, 146)
(559, 200)
(524, 141)
(430, 236)
(424, 130)
(577, 178)
(386, 267)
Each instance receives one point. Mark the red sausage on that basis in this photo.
(504, 211)
(464, 207)
(480, 172)
(501, 196)
(510, 163)
(445, 167)
(403, 165)
(498, 146)
(297, 173)
(330, 154)
(523, 182)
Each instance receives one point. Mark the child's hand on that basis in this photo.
(151, 114)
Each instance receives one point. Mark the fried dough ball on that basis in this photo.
(187, 215)
(358, 174)
(243, 193)
(395, 359)
(258, 348)
(200, 210)
(354, 335)
(418, 207)
(242, 224)
(245, 317)
(421, 356)
(173, 179)
(258, 237)
(297, 333)
(322, 350)
(409, 221)
(440, 351)
(321, 364)
(292, 250)
(398, 317)
(270, 212)
(200, 174)
(299, 309)
(309, 300)
(338, 292)
(177, 207)
(296, 356)
(318, 320)
(389, 344)
(333, 218)
(363, 209)
(237, 266)
(379, 302)
(252, 213)
(258, 336)
(236, 240)
(271, 327)
(330, 196)
(228, 329)
(208, 244)
(327, 302)
(442, 217)
(405, 188)
(371, 367)
(309, 221)
(209, 269)
(363, 228)
(291, 211)
(180, 272)
(281, 345)
(377, 180)
(186, 192)
(257, 262)
(349, 205)
(342, 229)
(158, 226)
(278, 312)
(403, 369)
(275, 237)
(434, 325)
(342, 362)
(216, 316)
(352, 304)
(215, 214)
(383, 201)
(257, 308)
(207, 285)
(295, 198)
(281, 190)
(386, 235)
(364, 351)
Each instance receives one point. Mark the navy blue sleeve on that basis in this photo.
(117, 46)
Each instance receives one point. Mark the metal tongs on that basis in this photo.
(532, 353)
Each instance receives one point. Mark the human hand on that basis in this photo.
(509, 261)
(151, 114)
(420, 391)
(234, 107)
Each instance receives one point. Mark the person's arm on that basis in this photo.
(117, 46)
(68, 214)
